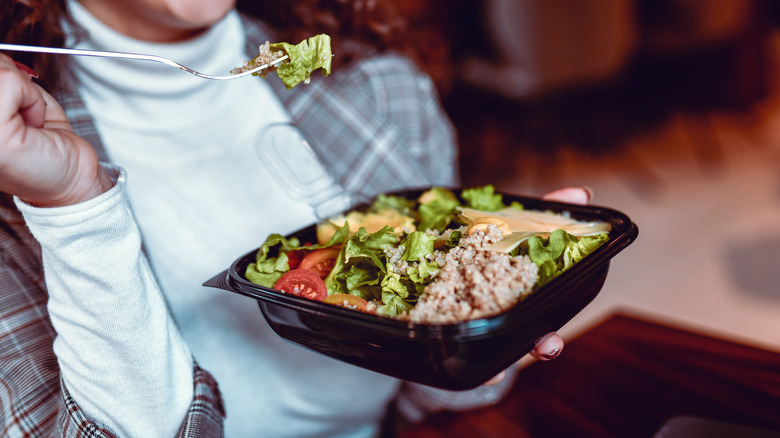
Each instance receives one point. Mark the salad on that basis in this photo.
(440, 258)
(303, 58)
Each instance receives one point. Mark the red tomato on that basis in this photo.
(321, 261)
(304, 283)
(349, 301)
(294, 257)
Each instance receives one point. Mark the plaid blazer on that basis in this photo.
(378, 126)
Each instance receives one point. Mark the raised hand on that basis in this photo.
(42, 161)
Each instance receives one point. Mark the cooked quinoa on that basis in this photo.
(394, 259)
(473, 282)
(264, 56)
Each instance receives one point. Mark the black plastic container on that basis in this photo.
(451, 356)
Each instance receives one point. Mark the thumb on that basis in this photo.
(54, 116)
(32, 105)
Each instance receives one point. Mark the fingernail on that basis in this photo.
(26, 70)
(552, 355)
(589, 192)
(542, 339)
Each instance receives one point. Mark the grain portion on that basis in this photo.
(264, 56)
(474, 282)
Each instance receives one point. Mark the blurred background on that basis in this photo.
(668, 109)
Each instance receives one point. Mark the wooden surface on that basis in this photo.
(625, 378)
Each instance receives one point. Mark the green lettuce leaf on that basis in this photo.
(271, 262)
(418, 245)
(398, 288)
(355, 250)
(560, 251)
(394, 306)
(584, 246)
(377, 241)
(362, 280)
(393, 285)
(361, 258)
(395, 295)
(392, 202)
(304, 58)
(483, 198)
(339, 236)
(423, 273)
(437, 209)
(436, 215)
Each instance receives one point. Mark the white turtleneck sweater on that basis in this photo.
(197, 192)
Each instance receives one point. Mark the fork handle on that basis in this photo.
(141, 56)
(83, 52)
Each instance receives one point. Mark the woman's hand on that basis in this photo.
(42, 161)
(549, 346)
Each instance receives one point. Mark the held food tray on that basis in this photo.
(452, 356)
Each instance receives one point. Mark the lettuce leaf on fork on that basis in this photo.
(305, 57)
(302, 59)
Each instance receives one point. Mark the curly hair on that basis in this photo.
(357, 27)
(35, 22)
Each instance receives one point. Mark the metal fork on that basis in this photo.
(140, 56)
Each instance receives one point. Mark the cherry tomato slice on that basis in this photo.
(348, 301)
(304, 283)
(294, 258)
(321, 261)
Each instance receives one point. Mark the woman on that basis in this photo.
(130, 326)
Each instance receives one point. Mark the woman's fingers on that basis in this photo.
(42, 161)
(55, 117)
(548, 347)
(33, 108)
(571, 195)
(20, 98)
(26, 70)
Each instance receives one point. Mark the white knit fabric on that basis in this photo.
(116, 343)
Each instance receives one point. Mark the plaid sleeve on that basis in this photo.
(204, 418)
(33, 402)
(28, 368)
(408, 103)
(378, 124)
